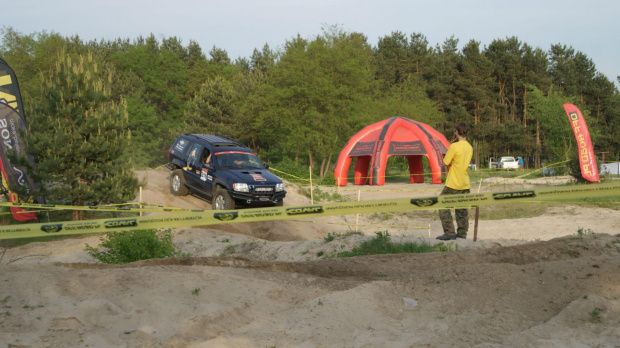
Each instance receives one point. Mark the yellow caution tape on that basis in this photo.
(126, 208)
(295, 212)
(285, 173)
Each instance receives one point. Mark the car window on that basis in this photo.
(206, 157)
(181, 145)
(237, 160)
(193, 153)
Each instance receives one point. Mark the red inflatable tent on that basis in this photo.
(396, 136)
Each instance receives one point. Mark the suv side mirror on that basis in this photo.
(266, 165)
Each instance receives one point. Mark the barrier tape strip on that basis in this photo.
(294, 176)
(295, 212)
(99, 208)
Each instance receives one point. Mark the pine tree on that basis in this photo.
(78, 135)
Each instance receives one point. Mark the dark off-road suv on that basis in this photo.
(222, 170)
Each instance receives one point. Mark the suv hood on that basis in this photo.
(254, 176)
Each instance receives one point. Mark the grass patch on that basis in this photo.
(381, 244)
(129, 246)
(228, 251)
(331, 236)
(595, 315)
(615, 244)
(581, 232)
(511, 211)
(597, 202)
(321, 195)
(381, 217)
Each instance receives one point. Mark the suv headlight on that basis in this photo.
(279, 187)
(241, 187)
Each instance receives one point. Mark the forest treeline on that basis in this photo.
(302, 102)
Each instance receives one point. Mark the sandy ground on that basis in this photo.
(528, 282)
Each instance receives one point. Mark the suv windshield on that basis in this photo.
(237, 160)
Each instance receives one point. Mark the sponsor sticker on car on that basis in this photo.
(258, 177)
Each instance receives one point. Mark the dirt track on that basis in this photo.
(277, 288)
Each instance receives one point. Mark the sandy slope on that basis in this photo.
(525, 283)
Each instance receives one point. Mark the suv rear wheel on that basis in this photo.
(177, 183)
(222, 200)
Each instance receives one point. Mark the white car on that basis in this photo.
(507, 162)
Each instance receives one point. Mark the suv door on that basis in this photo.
(207, 170)
(198, 173)
(192, 164)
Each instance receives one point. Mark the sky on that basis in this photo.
(240, 26)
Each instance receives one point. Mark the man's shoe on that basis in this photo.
(459, 236)
(447, 237)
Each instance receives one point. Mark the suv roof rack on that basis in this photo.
(217, 140)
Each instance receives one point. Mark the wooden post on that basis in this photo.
(476, 224)
(357, 216)
(476, 216)
(311, 194)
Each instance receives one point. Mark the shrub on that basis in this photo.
(130, 246)
(381, 244)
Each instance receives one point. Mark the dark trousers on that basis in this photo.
(462, 215)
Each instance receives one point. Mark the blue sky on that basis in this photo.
(240, 26)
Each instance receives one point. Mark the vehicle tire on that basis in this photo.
(177, 183)
(222, 200)
(280, 203)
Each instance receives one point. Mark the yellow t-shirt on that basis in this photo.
(458, 158)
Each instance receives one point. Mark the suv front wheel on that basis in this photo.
(222, 200)
(177, 183)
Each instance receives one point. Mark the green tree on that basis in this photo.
(78, 135)
(212, 111)
(506, 58)
(534, 71)
(443, 74)
(553, 132)
(263, 60)
(316, 97)
(475, 93)
(219, 56)
(605, 113)
(571, 71)
(399, 59)
(156, 79)
(409, 100)
(28, 55)
(393, 63)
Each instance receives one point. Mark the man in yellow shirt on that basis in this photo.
(457, 159)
